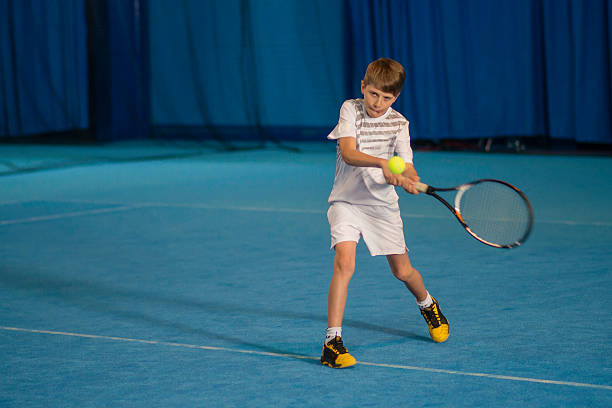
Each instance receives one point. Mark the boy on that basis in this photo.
(363, 201)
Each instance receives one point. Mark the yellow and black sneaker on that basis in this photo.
(437, 323)
(336, 355)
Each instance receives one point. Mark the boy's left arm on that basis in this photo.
(409, 179)
(409, 175)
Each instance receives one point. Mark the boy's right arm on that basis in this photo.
(353, 157)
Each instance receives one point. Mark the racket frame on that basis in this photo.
(431, 191)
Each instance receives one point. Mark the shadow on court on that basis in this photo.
(105, 299)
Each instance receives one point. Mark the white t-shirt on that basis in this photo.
(380, 137)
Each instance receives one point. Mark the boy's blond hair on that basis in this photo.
(385, 74)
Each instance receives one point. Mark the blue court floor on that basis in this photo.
(198, 278)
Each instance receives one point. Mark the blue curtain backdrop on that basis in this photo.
(230, 68)
(481, 68)
(119, 69)
(251, 64)
(43, 67)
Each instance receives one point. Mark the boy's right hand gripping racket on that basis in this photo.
(494, 212)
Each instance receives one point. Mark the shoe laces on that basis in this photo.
(338, 346)
(432, 315)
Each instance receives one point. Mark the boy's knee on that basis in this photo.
(344, 265)
(404, 274)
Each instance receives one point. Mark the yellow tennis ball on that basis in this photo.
(396, 165)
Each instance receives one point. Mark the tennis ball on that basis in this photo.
(396, 165)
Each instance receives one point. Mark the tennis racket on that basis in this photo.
(494, 212)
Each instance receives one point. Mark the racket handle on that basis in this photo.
(421, 187)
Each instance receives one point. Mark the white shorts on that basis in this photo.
(381, 227)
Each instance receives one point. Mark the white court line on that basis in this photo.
(236, 208)
(125, 207)
(309, 211)
(11, 202)
(301, 357)
(69, 214)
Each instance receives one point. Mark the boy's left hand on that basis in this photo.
(406, 180)
(409, 179)
(390, 178)
(408, 183)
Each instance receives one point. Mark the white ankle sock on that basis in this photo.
(331, 333)
(425, 303)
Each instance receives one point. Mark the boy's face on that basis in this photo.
(376, 101)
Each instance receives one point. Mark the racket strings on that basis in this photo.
(495, 212)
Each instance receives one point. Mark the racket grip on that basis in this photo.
(422, 188)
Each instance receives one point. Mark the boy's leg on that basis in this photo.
(403, 270)
(436, 321)
(344, 267)
(334, 353)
